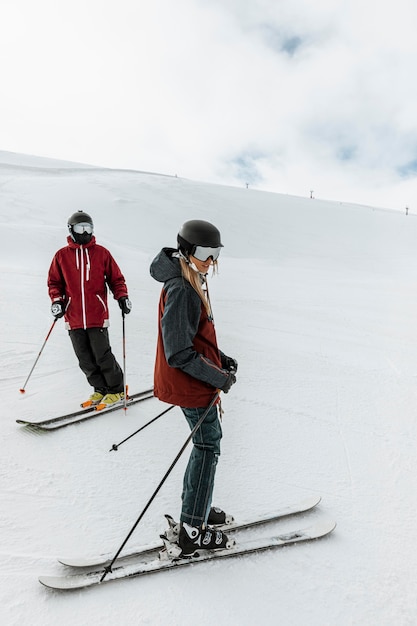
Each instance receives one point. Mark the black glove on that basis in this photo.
(230, 380)
(58, 309)
(228, 363)
(125, 304)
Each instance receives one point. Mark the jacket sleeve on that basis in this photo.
(56, 282)
(114, 278)
(179, 323)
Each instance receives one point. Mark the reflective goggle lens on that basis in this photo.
(83, 227)
(202, 253)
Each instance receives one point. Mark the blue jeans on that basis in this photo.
(199, 475)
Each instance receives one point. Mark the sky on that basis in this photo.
(308, 99)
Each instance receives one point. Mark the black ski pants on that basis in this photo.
(96, 360)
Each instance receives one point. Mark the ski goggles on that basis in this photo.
(83, 227)
(202, 253)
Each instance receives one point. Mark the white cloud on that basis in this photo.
(288, 96)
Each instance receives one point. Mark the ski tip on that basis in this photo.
(45, 582)
(313, 501)
(74, 581)
(51, 582)
(79, 562)
(323, 527)
(22, 390)
(63, 583)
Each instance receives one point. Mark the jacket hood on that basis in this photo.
(165, 266)
(72, 243)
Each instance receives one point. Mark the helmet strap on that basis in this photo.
(186, 258)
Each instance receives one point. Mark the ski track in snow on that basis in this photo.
(317, 301)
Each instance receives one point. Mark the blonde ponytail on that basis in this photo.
(194, 278)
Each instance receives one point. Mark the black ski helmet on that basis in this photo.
(198, 233)
(77, 218)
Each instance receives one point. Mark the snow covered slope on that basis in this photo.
(317, 301)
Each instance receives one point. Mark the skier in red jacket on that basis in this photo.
(77, 282)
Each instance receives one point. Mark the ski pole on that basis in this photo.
(22, 390)
(124, 361)
(108, 568)
(115, 446)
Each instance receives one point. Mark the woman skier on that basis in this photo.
(189, 368)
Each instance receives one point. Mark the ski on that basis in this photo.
(146, 551)
(83, 414)
(141, 568)
(115, 407)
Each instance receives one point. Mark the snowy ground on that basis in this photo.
(317, 301)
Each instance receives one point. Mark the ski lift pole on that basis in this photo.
(108, 568)
(22, 389)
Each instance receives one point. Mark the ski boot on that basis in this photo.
(93, 400)
(109, 400)
(217, 517)
(193, 539)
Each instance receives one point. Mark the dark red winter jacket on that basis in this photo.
(79, 275)
(188, 364)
